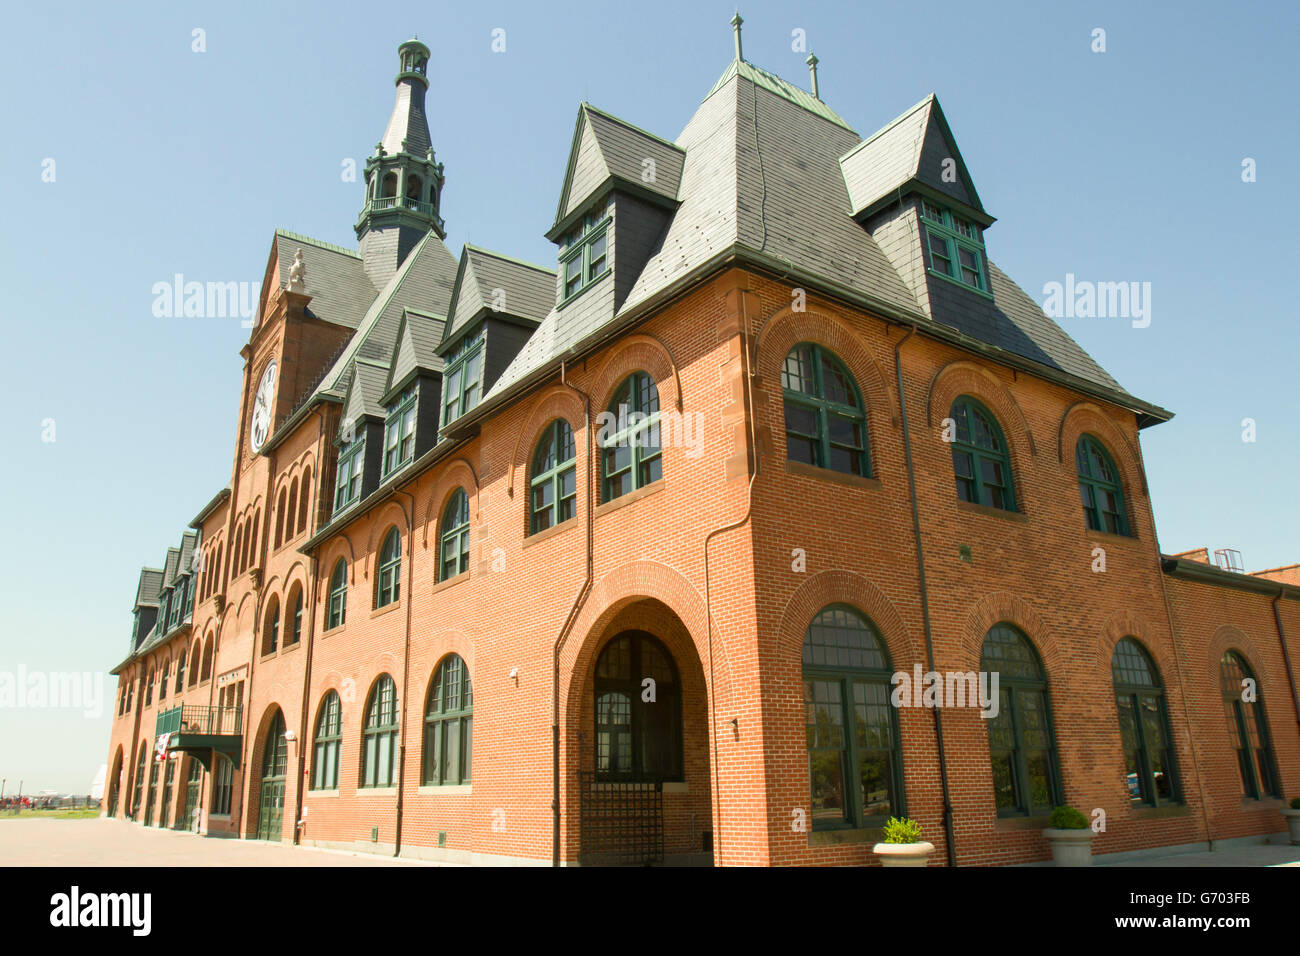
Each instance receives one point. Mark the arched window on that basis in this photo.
(337, 611)
(328, 744)
(279, 520)
(275, 770)
(630, 456)
(553, 487)
(194, 663)
(455, 536)
(295, 621)
(216, 568)
(271, 627)
(292, 509)
(236, 551)
(251, 544)
(854, 759)
(165, 673)
(1248, 728)
(180, 673)
(302, 501)
(449, 725)
(148, 688)
(379, 736)
(637, 739)
(1099, 487)
(389, 185)
(388, 583)
(413, 187)
(207, 659)
(979, 456)
(1022, 748)
(138, 790)
(1144, 726)
(825, 424)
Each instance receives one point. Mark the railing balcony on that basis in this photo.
(201, 721)
(393, 202)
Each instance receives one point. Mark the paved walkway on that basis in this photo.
(105, 842)
(1258, 854)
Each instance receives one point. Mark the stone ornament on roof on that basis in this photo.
(297, 273)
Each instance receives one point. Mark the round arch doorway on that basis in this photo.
(275, 763)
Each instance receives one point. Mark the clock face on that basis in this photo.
(262, 407)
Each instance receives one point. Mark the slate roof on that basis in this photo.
(335, 280)
(365, 391)
(529, 290)
(149, 589)
(416, 347)
(408, 121)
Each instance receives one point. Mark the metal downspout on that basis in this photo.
(1286, 654)
(406, 673)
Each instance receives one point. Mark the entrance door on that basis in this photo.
(169, 778)
(275, 762)
(189, 820)
(152, 792)
(114, 784)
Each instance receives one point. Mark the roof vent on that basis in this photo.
(812, 71)
(1229, 559)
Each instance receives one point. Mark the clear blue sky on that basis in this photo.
(1124, 165)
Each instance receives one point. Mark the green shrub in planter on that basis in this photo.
(1068, 818)
(902, 831)
(1295, 803)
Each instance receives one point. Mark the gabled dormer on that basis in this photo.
(620, 190)
(360, 436)
(496, 304)
(412, 391)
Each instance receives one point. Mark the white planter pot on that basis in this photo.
(904, 854)
(1070, 847)
(1293, 824)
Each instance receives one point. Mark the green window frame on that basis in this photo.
(462, 378)
(1099, 487)
(327, 744)
(180, 674)
(955, 247)
(449, 725)
(271, 631)
(162, 680)
(637, 740)
(1022, 743)
(630, 453)
(855, 765)
(454, 540)
(553, 487)
(379, 735)
(138, 790)
(1150, 767)
(336, 611)
(351, 463)
(1248, 729)
(825, 419)
(980, 459)
(388, 582)
(584, 255)
(223, 779)
(399, 431)
(295, 633)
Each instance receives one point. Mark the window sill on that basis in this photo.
(1012, 824)
(990, 511)
(322, 794)
(846, 835)
(538, 537)
(1263, 803)
(376, 791)
(643, 492)
(451, 581)
(327, 632)
(1120, 539)
(577, 295)
(386, 609)
(453, 790)
(827, 474)
(1159, 813)
(959, 284)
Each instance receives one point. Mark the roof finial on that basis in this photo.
(812, 69)
(736, 21)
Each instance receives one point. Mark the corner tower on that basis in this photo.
(403, 180)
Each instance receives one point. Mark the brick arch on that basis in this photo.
(1006, 607)
(386, 663)
(967, 378)
(253, 769)
(786, 328)
(1128, 623)
(339, 546)
(1228, 637)
(556, 402)
(459, 473)
(637, 353)
(391, 514)
(846, 587)
(1087, 417)
(449, 642)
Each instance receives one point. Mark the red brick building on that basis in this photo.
(629, 558)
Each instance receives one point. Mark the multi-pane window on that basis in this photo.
(177, 605)
(388, 584)
(955, 246)
(449, 725)
(1099, 487)
(162, 680)
(327, 744)
(1143, 726)
(399, 431)
(1022, 747)
(352, 459)
(148, 689)
(462, 378)
(138, 790)
(824, 420)
(630, 452)
(271, 630)
(379, 736)
(584, 253)
(638, 735)
(979, 456)
(854, 761)
(1248, 728)
(553, 486)
(223, 781)
(337, 611)
(180, 673)
(455, 537)
(295, 629)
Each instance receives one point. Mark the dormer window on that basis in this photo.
(399, 431)
(348, 483)
(463, 378)
(955, 246)
(584, 253)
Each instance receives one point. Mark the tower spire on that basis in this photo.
(403, 179)
(812, 70)
(736, 21)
